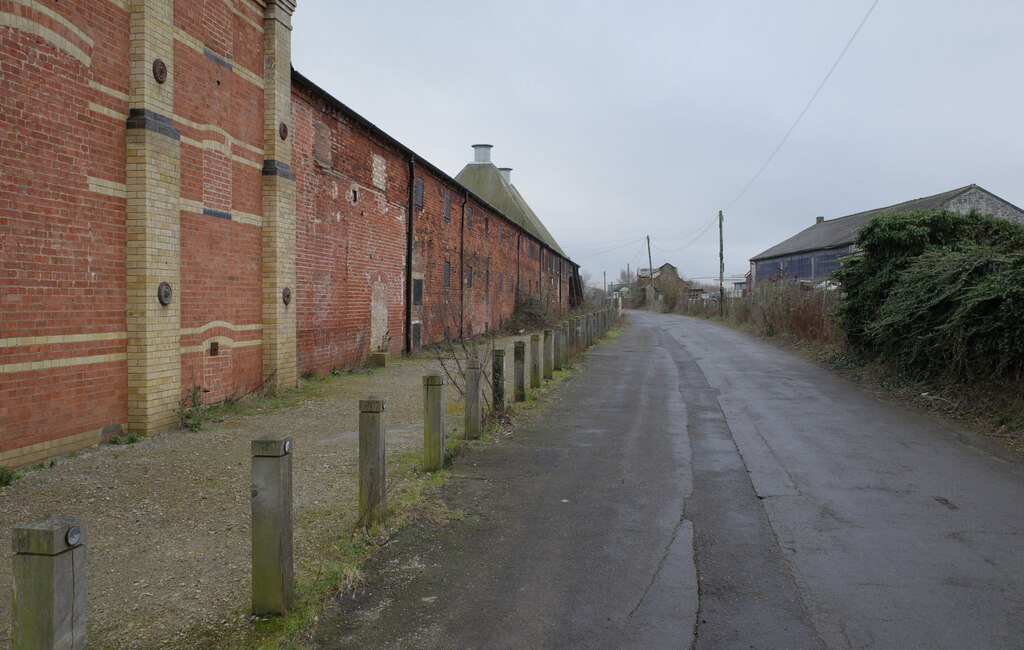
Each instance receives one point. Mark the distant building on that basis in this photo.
(665, 283)
(814, 253)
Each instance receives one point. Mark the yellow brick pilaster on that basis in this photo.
(153, 227)
(279, 341)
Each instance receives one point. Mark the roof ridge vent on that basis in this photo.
(506, 173)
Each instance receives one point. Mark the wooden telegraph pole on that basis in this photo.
(650, 269)
(721, 270)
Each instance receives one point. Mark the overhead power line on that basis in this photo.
(803, 112)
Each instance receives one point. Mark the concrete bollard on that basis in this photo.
(474, 398)
(549, 353)
(557, 348)
(373, 505)
(433, 422)
(273, 584)
(535, 361)
(498, 379)
(48, 606)
(519, 371)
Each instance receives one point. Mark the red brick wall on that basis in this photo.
(218, 109)
(62, 245)
(347, 244)
(63, 104)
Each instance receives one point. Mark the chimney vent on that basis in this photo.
(506, 172)
(819, 219)
(482, 153)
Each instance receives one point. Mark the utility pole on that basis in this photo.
(721, 269)
(629, 281)
(605, 275)
(650, 269)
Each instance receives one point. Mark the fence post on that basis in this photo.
(498, 379)
(48, 607)
(549, 353)
(535, 361)
(372, 462)
(273, 584)
(474, 406)
(565, 343)
(433, 422)
(557, 347)
(519, 371)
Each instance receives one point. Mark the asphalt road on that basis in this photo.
(696, 487)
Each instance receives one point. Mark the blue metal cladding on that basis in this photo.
(812, 265)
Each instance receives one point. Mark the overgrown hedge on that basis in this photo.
(939, 293)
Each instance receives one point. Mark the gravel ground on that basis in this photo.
(168, 518)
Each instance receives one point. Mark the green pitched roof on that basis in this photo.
(486, 181)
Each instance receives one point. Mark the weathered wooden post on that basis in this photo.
(498, 379)
(549, 353)
(372, 462)
(535, 361)
(519, 371)
(557, 347)
(48, 606)
(433, 422)
(273, 584)
(474, 398)
(566, 343)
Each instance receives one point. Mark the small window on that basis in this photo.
(447, 274)
(418, 199)
(416, 335)
(510, 242)
(469, 218)
(417, 291)
(487, 227)
(487, 279)
(447, 207)
(499, 234)
(469, 277)
(500, 281)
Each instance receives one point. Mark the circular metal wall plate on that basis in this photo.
(159, 71)
(164, 294)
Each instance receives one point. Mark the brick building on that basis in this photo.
(178, 208)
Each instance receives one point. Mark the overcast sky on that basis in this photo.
(626, 119)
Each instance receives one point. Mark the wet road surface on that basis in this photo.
(693, 486)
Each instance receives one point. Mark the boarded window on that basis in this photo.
(322, 145)
(447, 207)
(469, 218)
(418, 196)
(469, 277)
(416, 335)
(417, 291)
(447, 274)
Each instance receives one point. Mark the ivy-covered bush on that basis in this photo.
(939, 293)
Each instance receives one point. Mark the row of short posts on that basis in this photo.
(49, 575)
